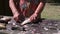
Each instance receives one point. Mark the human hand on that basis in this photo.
(33, 17)
(16, 16)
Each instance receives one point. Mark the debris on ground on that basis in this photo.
(45, 26)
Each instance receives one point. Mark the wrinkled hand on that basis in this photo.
(33, 17)
(16, 16)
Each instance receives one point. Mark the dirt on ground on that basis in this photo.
(44, 26)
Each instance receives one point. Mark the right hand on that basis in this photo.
(16, 16)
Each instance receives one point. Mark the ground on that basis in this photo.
(45, 26)
(49, 25)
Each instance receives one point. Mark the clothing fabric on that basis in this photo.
(28, 7)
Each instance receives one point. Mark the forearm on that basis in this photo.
(12, 6)
(40, 7)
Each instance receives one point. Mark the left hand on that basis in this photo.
(33, 17)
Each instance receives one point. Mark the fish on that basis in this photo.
(25, 22)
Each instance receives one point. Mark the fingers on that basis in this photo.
(32, 18)
(16, 18)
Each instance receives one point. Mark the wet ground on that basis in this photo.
(45, 26)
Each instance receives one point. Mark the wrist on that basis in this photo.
(15, 13)
(36, 12)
